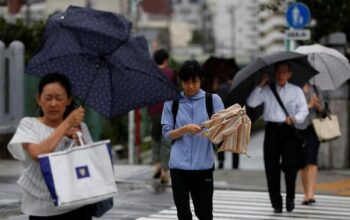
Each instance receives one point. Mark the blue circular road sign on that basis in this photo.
(298, 15)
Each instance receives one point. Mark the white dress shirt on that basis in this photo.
(292, 97)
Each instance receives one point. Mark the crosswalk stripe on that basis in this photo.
(256, 205)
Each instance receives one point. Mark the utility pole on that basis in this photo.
(232, 12)
(134, 133)
(28, 3)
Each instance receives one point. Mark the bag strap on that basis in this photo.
(208, 105)
(274, 91)
(326, 112)
(80, 138)
(316, 90)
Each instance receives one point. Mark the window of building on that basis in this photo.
(194, 1)
(185, 11)
(254, 42)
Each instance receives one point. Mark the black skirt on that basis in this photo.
(308, 148)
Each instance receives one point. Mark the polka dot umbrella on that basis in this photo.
(109, 69)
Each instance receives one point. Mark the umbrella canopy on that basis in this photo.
(301, 68)
(110, 70)
(248, 77)
(333, 66)
(220, 68)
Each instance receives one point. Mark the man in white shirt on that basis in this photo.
(280, 140)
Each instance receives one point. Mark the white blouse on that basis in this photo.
(36, 197)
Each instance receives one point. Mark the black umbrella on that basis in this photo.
(220, 68)
(302, 71)
(109, 69)
(248, 77)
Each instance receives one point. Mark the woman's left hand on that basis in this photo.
(72, 133)
(314, 102)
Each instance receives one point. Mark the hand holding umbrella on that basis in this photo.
(264, 79)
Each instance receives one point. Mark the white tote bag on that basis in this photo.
(326, 128)
(80, 175)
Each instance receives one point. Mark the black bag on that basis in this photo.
(100, 208)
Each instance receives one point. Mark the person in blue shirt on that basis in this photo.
(192, 156)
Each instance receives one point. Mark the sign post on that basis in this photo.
(297, 16)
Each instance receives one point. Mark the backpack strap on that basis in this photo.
(174, 110)
(208, 105)
(210, 112)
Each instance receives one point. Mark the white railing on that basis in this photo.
(11, 85)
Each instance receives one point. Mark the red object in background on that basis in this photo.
(138, 133)
(156, 7)
(14, 6)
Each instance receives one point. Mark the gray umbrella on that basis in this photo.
(301, 68)
(333, 66)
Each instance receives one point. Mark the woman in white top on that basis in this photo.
(53, 130)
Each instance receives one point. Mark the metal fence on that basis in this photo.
(11, 85)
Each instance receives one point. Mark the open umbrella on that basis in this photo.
(301, 68)
(109, 69)
(248, 77)
(220, 68)
(333, 66)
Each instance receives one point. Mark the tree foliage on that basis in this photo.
(328, 16)
(30, 35)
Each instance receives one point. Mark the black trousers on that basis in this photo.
(198, 184)
(82, 213)
(235, 159)
(280, 155)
